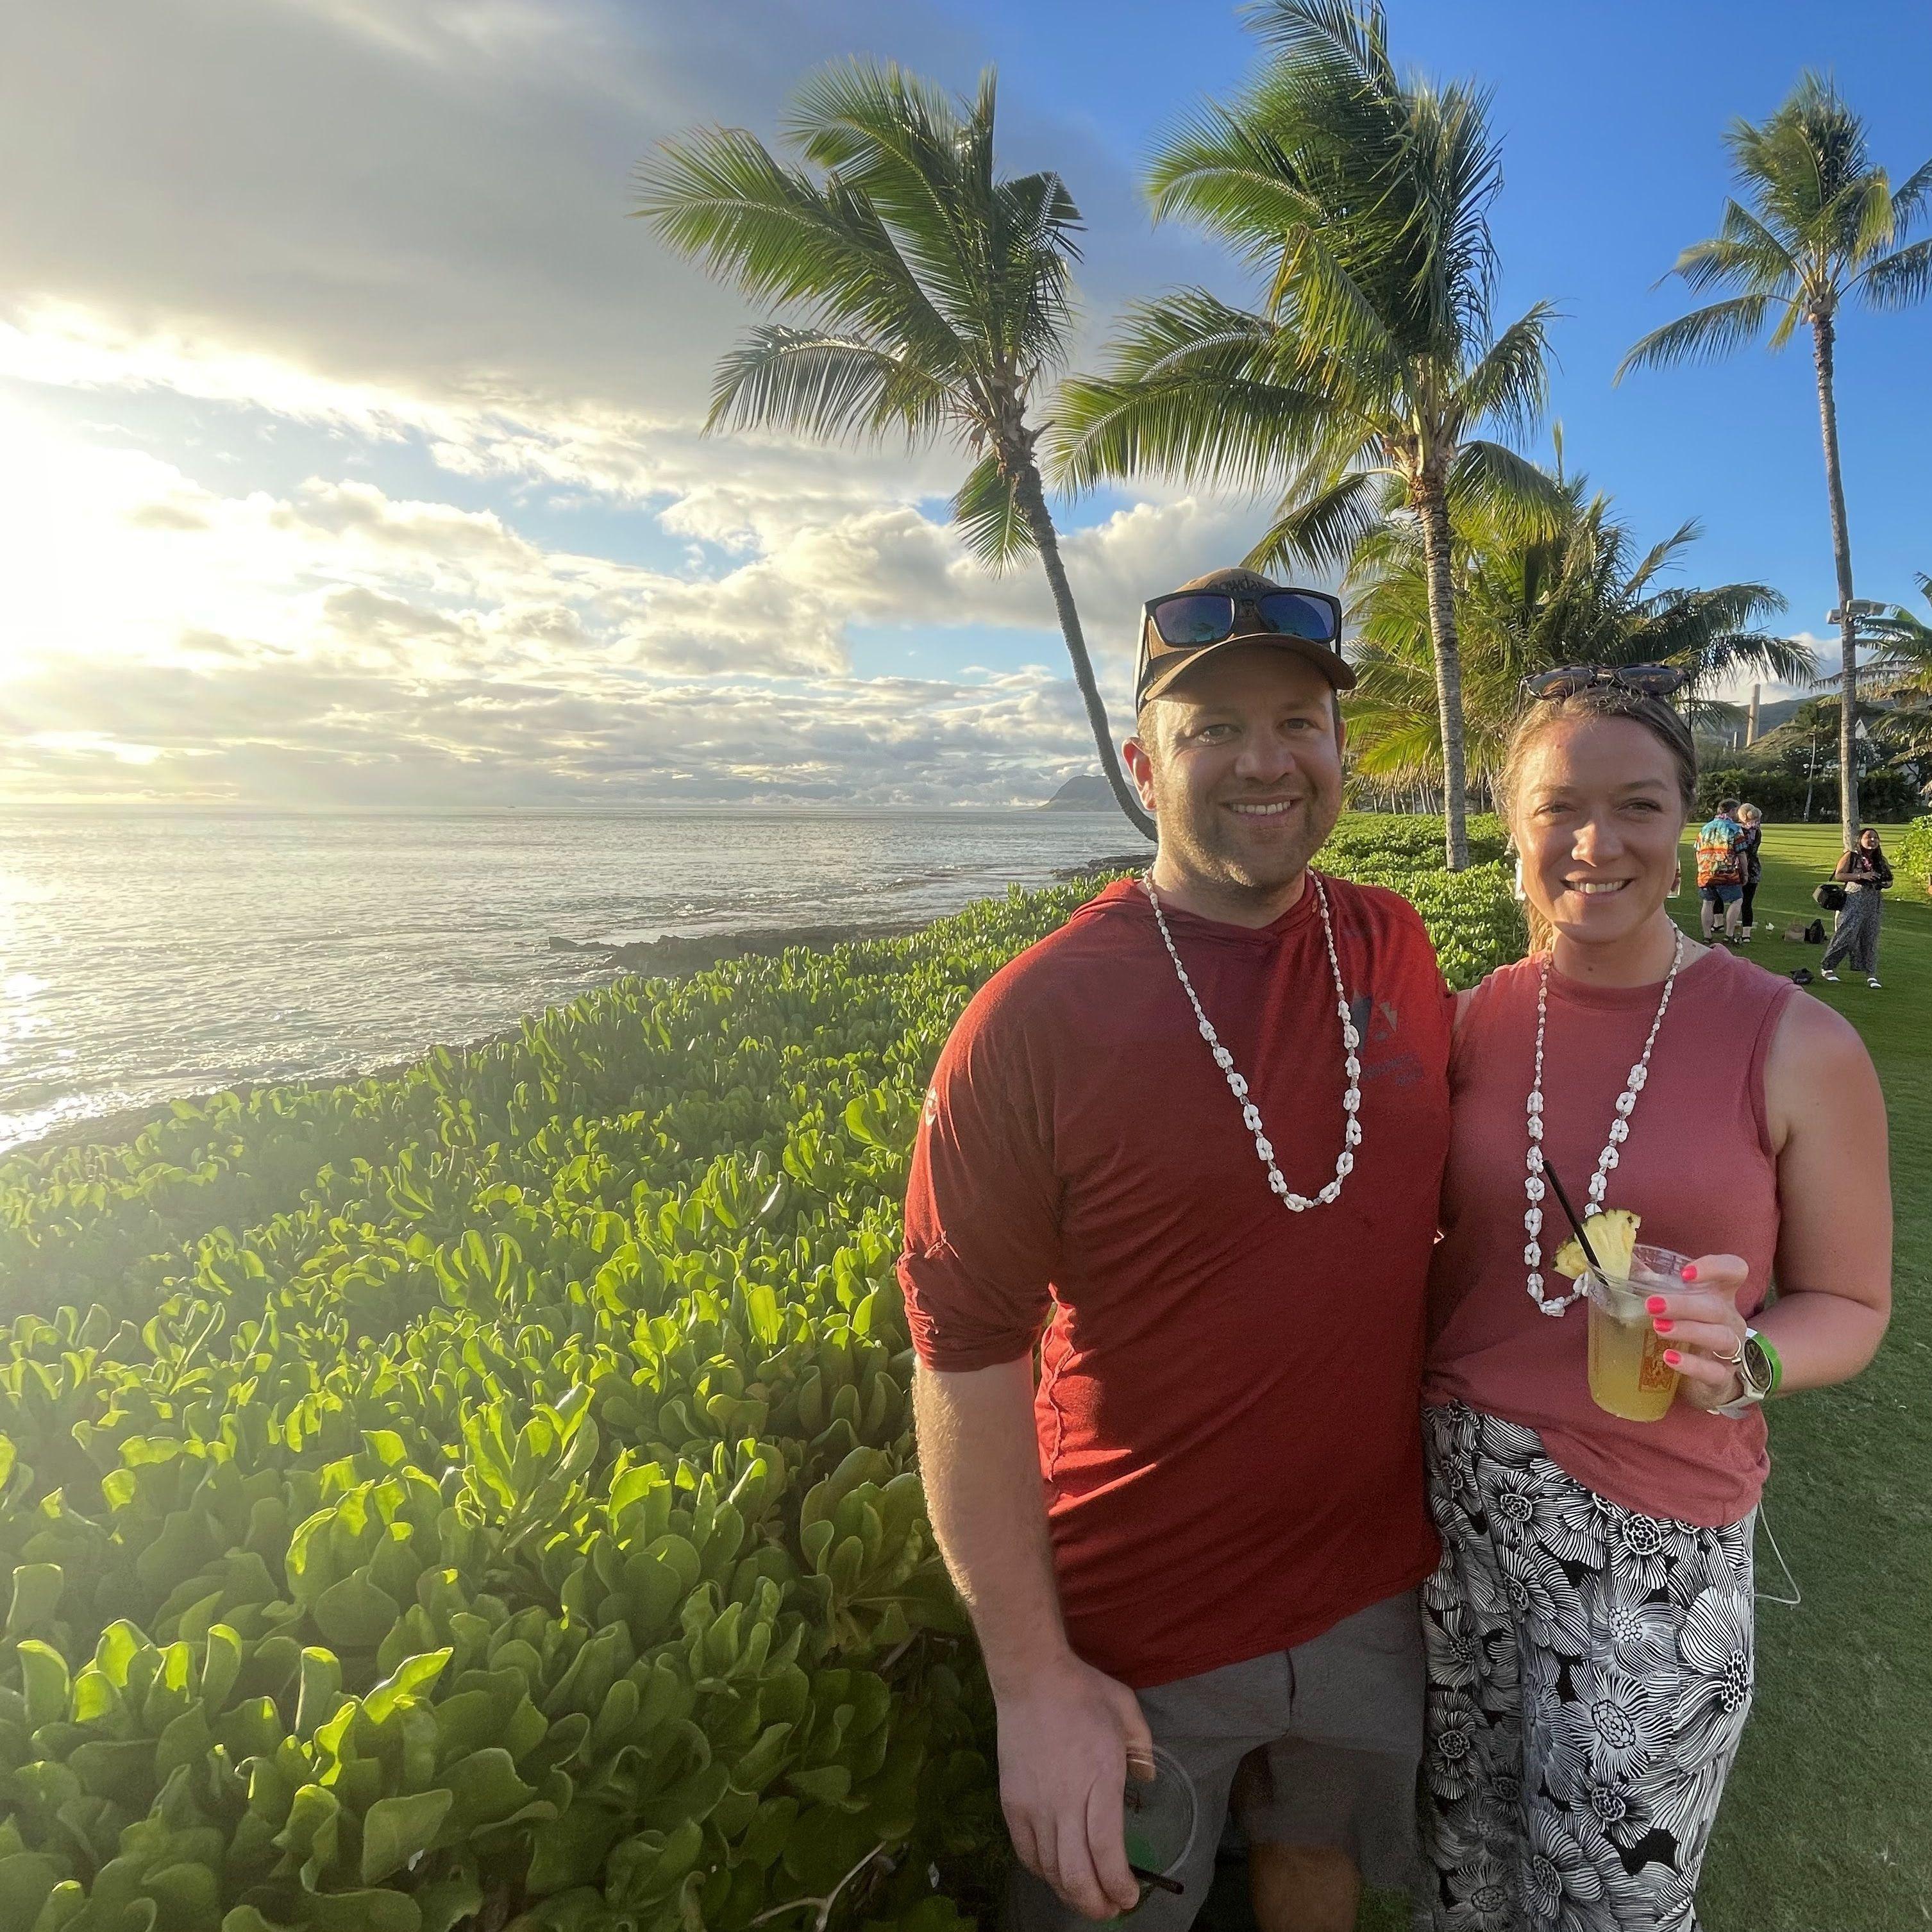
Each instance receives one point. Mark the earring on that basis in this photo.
(1518, 889)
(1677, 883)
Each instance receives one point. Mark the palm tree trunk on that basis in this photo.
(1033, 506)
(1823, 335)
(1432, 507)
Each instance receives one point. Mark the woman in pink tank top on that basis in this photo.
(1590, 1630)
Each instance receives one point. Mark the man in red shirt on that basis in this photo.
(1189, 1146)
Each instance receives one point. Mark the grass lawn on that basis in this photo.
(1827, 1825)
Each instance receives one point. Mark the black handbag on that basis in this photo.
(1830, 896)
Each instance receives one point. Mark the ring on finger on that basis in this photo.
(1732, 1361)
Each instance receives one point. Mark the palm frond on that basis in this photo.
(1510, 384)
(893, 137)
(1909, 198)
(1702, 336)
(719, 196)
(1743, 253)
(1227, 170)
(986, 508)
(1660, 555)
(1193, 387)
(1320, 520)
(1901, 279)
(1862, 212)
(810, 383)
(1511, 493)
(1337, 32)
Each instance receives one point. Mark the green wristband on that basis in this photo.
(1777, 1362)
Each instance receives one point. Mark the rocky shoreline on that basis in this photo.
(675, 953)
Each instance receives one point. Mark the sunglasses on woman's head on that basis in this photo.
(1186, 620)
(1651, 680)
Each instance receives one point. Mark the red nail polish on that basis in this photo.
(1671, 1356)
(1663, 1325)
(1656, 1305)
(1690, 1273)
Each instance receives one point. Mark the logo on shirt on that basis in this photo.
(1376, 1020)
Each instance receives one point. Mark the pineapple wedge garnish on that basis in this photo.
(1613, 1235)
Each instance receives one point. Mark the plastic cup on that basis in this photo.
(1628, 1375)
(1158, 1820)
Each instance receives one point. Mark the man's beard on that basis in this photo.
(1202, 844)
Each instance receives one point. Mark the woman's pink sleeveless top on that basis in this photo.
(1699, 1167)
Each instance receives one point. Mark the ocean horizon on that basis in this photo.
(150, 951)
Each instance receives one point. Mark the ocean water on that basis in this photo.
(148, 954)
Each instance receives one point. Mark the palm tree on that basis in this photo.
(1900, 678)
(1904, 666)
(1363, 198)
(1574, 590)
(929, 297)
(1821, 228)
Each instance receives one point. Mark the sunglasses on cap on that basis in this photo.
(1650, 680)
(1188, 619)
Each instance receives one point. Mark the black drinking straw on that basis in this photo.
(1596, 1266)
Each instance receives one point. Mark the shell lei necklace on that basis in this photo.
(1251, 1117)
(1533, 1186)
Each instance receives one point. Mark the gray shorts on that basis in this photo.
(1317, 1746)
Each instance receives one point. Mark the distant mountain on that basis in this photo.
(1730, 739)
(1089, 792)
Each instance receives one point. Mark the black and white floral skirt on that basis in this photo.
(1589, 1676)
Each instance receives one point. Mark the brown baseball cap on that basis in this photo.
(1182, 628)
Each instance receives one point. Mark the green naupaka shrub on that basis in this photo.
(1912, 856)
(487, 1495)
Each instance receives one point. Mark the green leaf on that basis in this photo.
(321, 1693)
(394, 1829)
(485, 1787)
(409, 1683)
(44, 1680)
(26, 1880)
(36, 1595)
(354, 1614)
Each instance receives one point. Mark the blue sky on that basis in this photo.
(349, 446)
(1612, 116)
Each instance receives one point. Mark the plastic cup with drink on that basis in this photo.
(1628, 1375)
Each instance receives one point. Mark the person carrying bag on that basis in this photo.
(1862, 875)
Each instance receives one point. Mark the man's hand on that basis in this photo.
(1069, 1738)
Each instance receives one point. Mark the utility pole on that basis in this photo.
(1750, 720)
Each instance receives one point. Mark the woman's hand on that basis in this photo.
(1703, 1330)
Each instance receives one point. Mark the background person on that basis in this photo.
(1204, 1529)
(1590, 1630)
(1721, 871)
(1867, 876)
(1752, 820)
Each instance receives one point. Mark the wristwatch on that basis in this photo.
(1760, 1371)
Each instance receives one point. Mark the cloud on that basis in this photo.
(338, 645)
(398, 225)
(324, 734)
